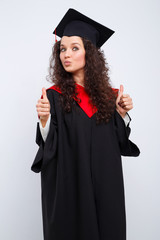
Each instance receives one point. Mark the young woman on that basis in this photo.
(82, 133)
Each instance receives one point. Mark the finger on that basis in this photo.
(42, 105)
(128, 98)
(120, 93)
(124, 105)
(127, 107)
(41, 109)
(42, 114)
(127, 101)
(44, 93)
(121, 89)
(125, 95)
(43, 101)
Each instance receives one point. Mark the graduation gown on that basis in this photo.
(81, 173)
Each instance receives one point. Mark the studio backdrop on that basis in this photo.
(133, 56)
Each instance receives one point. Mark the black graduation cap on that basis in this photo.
(75, 23)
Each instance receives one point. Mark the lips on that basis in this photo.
(67, 63)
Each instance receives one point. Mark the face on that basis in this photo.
(72, 54)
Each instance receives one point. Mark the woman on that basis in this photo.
(83, 131)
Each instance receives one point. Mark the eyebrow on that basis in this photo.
(71, 44)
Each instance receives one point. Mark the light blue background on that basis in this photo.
(133, 54)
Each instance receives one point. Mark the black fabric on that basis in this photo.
(82, 29)
(75, 23)
(81, 175)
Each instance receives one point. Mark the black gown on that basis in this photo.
(81, 175)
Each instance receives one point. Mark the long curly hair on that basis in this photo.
(96, 81)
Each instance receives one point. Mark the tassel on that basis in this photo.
(55, 36)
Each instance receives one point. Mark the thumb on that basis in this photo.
(121, 91)
(44, 94)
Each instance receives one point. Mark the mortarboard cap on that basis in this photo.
(75, 23)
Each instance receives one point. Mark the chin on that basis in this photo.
(73, 71)
(68, 69)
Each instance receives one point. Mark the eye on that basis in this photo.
(75, 48)
(62, 49)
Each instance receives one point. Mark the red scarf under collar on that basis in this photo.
(87, 107)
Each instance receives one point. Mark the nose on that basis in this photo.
(67, 53)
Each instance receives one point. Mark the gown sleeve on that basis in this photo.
(127, 147)
(44, 130)
(47, 150)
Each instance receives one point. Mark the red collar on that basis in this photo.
(87, 107)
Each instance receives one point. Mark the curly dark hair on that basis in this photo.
(96, 83)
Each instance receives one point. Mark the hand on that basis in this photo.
(43, 108)
(123, 102)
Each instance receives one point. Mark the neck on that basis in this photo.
(79, 78)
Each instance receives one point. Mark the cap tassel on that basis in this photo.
(55, 36)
